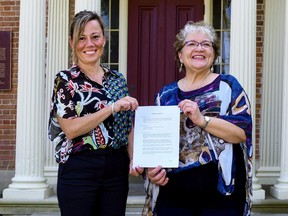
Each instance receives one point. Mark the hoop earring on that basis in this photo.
(180, 68)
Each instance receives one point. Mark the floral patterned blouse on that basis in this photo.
(75, 95)
(223, 98)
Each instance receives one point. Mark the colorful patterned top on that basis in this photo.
(223, 98)
(75, 95)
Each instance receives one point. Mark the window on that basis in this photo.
(221, 22)
(110, 15)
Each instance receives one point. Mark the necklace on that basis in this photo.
(185, 85)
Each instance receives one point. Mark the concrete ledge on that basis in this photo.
(28, 207)
(45, 214)
(135, 200)
(49, 207)
(270, 205)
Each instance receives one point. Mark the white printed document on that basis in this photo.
(156, 136)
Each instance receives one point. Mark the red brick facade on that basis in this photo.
(9, 21)
(259, 63)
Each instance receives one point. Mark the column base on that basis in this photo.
(27, 194)
(280, 194)
(258, 194)
(50, 173)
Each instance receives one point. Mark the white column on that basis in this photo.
(243, 60)
(93, 5)
(57, 59)
(280, 190)
(272, 92)
(29, 182)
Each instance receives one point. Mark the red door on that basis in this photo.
(152, 27)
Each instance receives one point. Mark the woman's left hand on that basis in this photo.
(135, 171)
(220, 128)
(191, 109)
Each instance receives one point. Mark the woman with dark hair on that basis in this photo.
(91, 124)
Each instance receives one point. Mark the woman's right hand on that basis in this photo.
(126, 103)
(77, 126)
(157, 176)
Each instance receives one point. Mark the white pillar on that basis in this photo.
(57, 59)
(243, 60)
(272, 92)
(93, 5)
(29, 182)
(280, 190)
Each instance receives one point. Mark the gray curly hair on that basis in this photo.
(192, 27)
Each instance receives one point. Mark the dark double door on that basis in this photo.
(153, 25)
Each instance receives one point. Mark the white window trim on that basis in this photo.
(123, 36)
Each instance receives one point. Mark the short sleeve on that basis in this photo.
(63, 92)
(239, 110)
(61, 104)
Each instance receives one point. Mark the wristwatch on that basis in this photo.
(207, 120)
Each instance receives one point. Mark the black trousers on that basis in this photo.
(194, 192)
(94, 183)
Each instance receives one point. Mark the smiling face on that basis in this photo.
(90, 46)
(195, 56)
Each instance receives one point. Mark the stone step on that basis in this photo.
(128, 213)
(49, 207)
(137, 213)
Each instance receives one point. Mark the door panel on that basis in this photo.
(152, 26)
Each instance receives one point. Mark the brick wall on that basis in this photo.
(9, 21)
(259, 64)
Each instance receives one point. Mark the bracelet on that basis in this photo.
(207, 120)
(112, 108)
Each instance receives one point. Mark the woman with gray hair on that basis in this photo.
(214, 176)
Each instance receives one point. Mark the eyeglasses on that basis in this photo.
(194, 44)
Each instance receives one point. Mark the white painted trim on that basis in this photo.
(88, 5)
(123, 36)
(208, 11)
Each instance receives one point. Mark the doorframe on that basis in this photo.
(123, 31)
